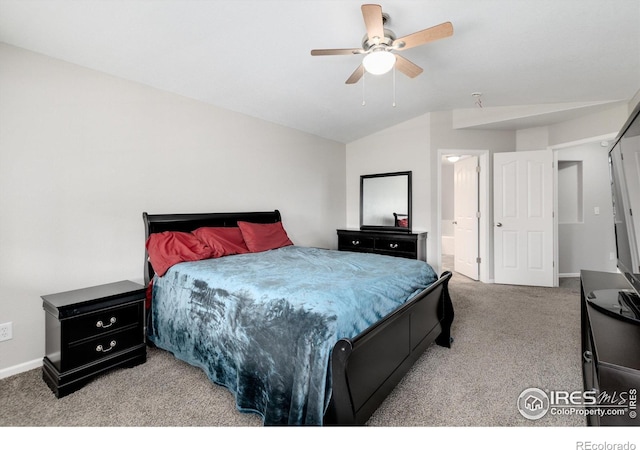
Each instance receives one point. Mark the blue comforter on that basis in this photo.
(264, 324)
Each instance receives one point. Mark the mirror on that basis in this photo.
(385, 201)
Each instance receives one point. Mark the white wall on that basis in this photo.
(413, 145)
(394, 149)
(83, 154)
(532, 139)
(588, 242)
(592, 125)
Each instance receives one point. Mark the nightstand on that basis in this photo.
(90, 331)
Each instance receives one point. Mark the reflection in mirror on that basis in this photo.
(385, 201)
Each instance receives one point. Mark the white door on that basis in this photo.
(523, 218)
(466, 217)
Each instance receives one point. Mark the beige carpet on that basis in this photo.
(507, 338)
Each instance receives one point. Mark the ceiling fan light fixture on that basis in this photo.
(379, 61)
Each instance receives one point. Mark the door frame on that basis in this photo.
(554, 148)
(484, 233)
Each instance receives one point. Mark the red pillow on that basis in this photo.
(222, 240)
(264, 236)
(171, 247)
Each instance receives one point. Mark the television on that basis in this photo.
(624, 171)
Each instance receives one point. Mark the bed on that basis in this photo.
(301, 336)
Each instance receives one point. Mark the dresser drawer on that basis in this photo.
(395, 245)
(347, 242)
(101, 322)
(92, 350)
(405, 245)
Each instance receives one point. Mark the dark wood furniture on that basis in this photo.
(393, 243)
(610, 347)
(384, 197)
(366, 368)
(90, 331)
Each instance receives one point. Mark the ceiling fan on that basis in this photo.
(379, 45)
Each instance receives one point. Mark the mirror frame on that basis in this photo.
(364, 226)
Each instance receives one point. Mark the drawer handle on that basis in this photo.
(100, 324)
(100, 348)
(355, 242)
(393, 246)
(587, 356)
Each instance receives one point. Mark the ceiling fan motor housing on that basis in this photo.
(386, 41)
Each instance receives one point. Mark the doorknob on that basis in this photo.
(499, 224)
(454, 222)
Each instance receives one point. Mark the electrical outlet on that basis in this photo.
(6, 331)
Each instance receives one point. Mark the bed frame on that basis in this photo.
(366, 368)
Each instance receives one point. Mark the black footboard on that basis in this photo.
(365, 369)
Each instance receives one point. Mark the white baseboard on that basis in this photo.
(568, 275)
(14, 370)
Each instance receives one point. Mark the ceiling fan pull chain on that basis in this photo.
(363, 77)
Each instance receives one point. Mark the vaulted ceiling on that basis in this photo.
(254, 56)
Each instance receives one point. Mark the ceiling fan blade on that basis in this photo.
(356, 75)
(336, 51)
(407, 67)
(372, 15)
(422, 37)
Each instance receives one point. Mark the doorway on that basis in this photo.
(583, 202)
(474, 254)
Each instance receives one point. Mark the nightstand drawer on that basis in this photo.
(355, 242)
(92, 350)
(395, 245)
(101, 322)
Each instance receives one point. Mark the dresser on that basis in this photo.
(90, 331)
(610, 352)
(393, 243)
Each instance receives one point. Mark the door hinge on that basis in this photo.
(478, 214)
(478, 169)
(478, 260)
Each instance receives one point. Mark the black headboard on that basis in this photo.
(157, 223)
